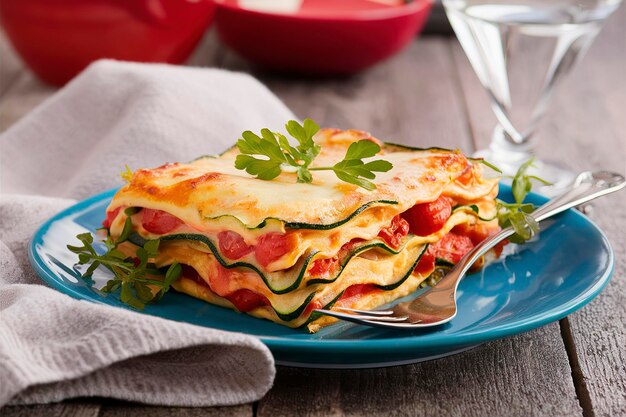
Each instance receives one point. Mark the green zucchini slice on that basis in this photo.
(283, 281)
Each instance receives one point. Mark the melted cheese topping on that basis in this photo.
(209, 188)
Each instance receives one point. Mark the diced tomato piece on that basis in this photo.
(476, 232)
(395, 232)
(349, 247)
(324, 268)
(111, 215)
(270, 247)
(354, 292)
(245, 300)
(426, 264)
(427, 218)
(358, 289)
(452, 247)
(220, 279)
(232, 245)
(158, 221)
(479, 232)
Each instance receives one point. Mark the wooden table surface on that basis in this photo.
(429, 94)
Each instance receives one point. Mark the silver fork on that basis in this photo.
(438, 305)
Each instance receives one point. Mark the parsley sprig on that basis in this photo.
(517, 214)
(278, 155)
(132, 276)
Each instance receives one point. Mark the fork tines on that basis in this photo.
(366, 312)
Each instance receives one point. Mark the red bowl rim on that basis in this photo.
(407, 9)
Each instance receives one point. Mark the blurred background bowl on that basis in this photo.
(58, 38)
(319, 37)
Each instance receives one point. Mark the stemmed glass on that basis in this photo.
(520, 50)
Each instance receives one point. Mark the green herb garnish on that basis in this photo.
(131, 275)
(517, 215)
(278, 154)
(127, 175)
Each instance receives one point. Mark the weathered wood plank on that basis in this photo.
(585, 128)
(21, 97)
(519, 376)
(208, 53)
(595, 135)
(122, 409)
(412, 98)
(10, 64)
(79, 408)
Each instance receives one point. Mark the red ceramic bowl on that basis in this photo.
(320, 37)
(58, 38)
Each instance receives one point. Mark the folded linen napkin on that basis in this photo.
(74, 145)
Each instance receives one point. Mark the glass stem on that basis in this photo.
(508, 156)
(505, 153)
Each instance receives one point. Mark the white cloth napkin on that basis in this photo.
(74, 145)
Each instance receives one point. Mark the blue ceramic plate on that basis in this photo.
(544, 281)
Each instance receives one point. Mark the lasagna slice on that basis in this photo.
(279, 249)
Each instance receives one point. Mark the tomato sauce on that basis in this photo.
(271, 247)
(454, 245)
(158, 221)
(479, 232)
(356, 291)
(451, 247)
(111, 215)
(395, 233)
(324, 268)
(426, 264)
(245, 300)
(232, 245)
(329, 267)
(427, 218)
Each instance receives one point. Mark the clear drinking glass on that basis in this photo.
(520, 50)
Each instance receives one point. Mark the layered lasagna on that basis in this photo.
(279, 250)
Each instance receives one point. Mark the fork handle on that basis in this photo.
(588, 186)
